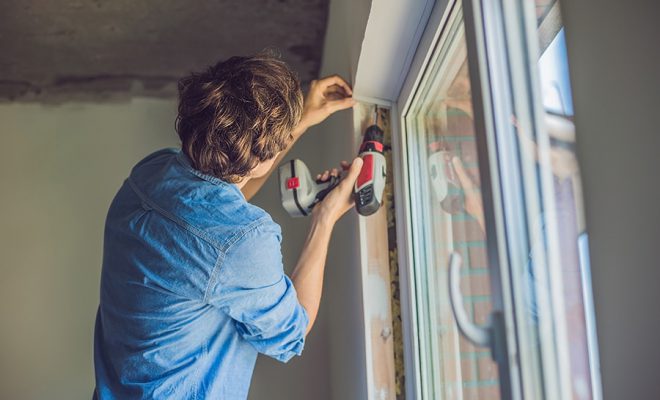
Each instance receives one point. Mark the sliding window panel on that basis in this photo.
(521, 63)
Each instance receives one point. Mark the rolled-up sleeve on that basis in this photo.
(251, 287)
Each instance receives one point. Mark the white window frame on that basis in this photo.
(414, 28)
(389, 32)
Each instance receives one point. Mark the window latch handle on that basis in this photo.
(480, 335)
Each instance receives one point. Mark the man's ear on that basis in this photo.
(262, 168)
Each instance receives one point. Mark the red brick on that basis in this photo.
(489, 392)
(470, 394)
(458, 232)
(449, 370)
(466, 346)
(481, 393)
(475, 285)
(473, 231)
(478, 257)
(482, 310)
(487, 369)
(468, 368)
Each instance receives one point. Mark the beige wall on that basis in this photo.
(60, 167)
(305, 377)
(614, 62)
(342, 299)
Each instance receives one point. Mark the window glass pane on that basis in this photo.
(555, 327)
(566, 190)
(448, 217)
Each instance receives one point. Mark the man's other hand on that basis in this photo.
(325, 97)
(473, 201)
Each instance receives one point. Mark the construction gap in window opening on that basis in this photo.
(385, 335)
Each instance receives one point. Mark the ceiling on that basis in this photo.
(63, 50)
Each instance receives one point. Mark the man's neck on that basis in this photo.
(242, 182)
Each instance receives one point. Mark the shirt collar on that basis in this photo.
(183, 159)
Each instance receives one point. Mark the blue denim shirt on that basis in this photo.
(192, 288)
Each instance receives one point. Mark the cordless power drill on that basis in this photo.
(371, 181)
(444, 180)
(300, 193)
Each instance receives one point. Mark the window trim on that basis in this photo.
(425, 45)
(428, 18)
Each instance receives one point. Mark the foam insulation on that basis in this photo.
(395, 300)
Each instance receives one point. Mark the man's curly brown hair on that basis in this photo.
(238, 113)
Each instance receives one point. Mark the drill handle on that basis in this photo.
(323, 188)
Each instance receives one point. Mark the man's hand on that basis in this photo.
(325, 97)
(340, 199)
(473, 201)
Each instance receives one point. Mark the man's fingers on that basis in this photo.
(355, 167)
(353, 172)
(326, 82)
(335, 92)
(345, 165)
(336, 105)
(463, 176)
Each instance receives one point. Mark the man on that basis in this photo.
(192, 286)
